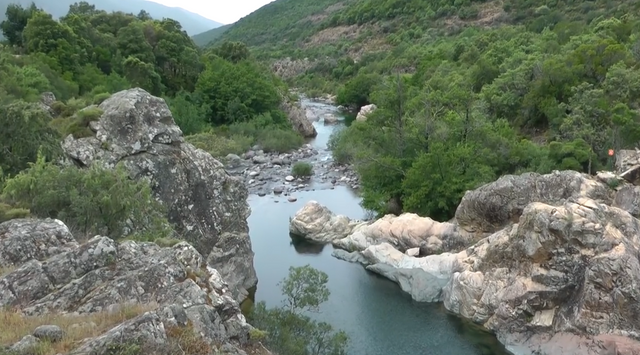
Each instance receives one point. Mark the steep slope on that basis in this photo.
(204, 38)
(330, 24)
(191, 22)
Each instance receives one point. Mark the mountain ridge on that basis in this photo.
(191, 22)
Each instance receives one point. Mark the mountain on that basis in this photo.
(191, 22)
(351, 27)
(204, 38)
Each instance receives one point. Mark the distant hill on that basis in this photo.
(204, 38)
(191, 22)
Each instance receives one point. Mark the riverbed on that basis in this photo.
(378, 317)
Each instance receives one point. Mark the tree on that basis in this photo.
(25, 131)
(232, 51)
(289, 330)
(17, 18)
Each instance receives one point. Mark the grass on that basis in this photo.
(302, 169)
(14, 326)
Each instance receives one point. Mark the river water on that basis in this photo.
(378, 317)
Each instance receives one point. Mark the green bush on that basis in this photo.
(100, 98)
(79, 123)
(279, 140)
(91, 201)
(302, 169)
(218, 145)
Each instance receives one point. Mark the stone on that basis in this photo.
(491, 207)
(25, 344)
(50, 333)
(292, 199)
(138, 131)
(22, 240)
(102, 275)
(317, 223)
(413, 252)
(289, 178)
(298, 118)
(365, 111)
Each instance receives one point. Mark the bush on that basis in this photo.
(24, 132)
(79, 125)
(91, 201)
(286, 330)
(302, 169)
(279, 140)
(218, 145)
(100, 98)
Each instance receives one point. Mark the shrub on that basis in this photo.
(100, 98)
(92, 201)
(24, 132)
(218, 145)
(79, 123)
(279, 140)
(302, 169)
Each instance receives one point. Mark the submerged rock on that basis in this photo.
(203, 200)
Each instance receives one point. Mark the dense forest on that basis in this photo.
(223, 100)
(466, 91)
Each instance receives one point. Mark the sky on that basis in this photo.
(224, 11)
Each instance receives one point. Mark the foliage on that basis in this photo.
(288, 329)
(302, 169)
(25, 131)
(93, 200)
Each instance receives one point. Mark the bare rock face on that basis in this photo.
(102, 275)
(572, 268)
(22, 240)
(493, 206)
(365, 111)
(203, 200)
(298, 118)
(317, 223)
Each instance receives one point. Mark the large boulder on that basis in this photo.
(22, 240)
(173, 287)
(204, 202)
(298, 118)
(317, 223)
(493, 206)
(566, 268)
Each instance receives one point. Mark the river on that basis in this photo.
(379, 318)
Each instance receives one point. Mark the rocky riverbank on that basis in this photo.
(271, 173)
(547, 262)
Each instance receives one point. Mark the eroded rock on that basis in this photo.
(101, 275)
(204, 201)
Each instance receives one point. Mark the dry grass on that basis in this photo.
(14, 326)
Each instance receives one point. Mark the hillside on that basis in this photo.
(191, 22)
(465, 91)
(204, 38)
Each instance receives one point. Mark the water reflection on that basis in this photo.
(303, 246)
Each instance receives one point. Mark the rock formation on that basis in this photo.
(55, 274)
(298, 118)
(365, 111)
(549, 264)
(207, 206)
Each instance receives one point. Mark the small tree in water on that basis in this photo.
(289, 331)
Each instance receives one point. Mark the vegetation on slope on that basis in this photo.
(191, 22)
(223, 100)
(466, 90)
(204, 38)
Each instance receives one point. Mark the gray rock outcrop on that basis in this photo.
(555, 270)
(206, 204)
(298, 118)
(174, 287)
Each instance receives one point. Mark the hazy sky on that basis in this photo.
(225, 11)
